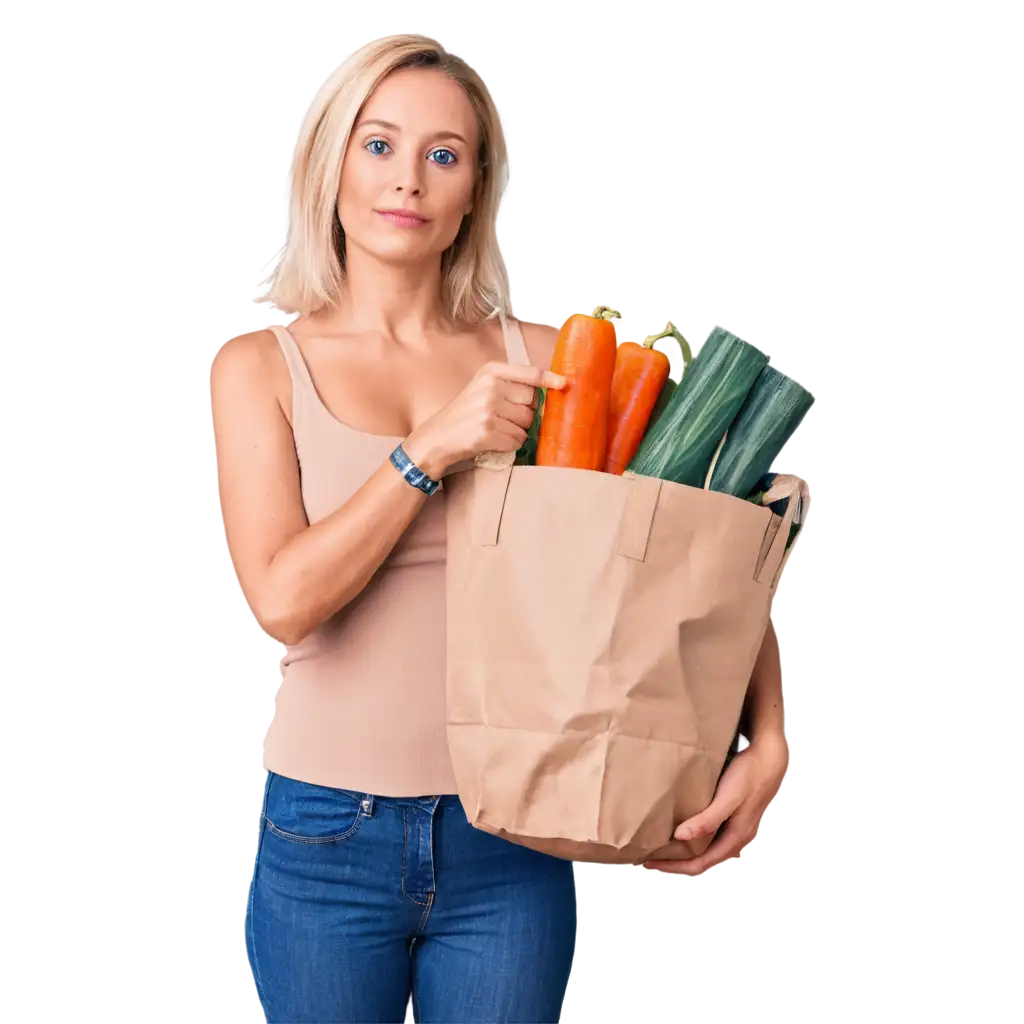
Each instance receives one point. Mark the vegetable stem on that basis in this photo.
(670, 328)
(605, 313)
(662, 330)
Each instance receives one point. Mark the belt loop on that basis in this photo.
(367, 804)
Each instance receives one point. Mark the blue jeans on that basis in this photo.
(359, 901)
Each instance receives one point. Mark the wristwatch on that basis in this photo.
(412, 473)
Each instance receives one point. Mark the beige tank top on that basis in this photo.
(361, 703)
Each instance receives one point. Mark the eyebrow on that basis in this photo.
(395, 128)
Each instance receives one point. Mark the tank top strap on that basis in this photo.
(515, 346)
(304, 393)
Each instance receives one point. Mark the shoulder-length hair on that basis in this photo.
(311, 268)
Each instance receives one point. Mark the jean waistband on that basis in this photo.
(427, 801)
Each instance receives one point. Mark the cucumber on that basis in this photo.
(772, 410)
(681, 444)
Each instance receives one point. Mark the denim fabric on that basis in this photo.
(359, 902)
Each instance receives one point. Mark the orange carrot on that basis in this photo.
(574, 424)
(640, 374)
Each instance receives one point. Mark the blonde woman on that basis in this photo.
(334, 433)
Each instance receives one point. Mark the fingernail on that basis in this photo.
(684, 833)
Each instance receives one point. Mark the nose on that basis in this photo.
(409, 175)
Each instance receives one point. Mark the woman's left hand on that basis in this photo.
(745, 789)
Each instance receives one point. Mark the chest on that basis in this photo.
(388, 390)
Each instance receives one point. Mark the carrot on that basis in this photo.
(640, 375)
(574, 426)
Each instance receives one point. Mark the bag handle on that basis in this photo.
(773, 547)
(637, 518)
(634, 527)
(638, 515)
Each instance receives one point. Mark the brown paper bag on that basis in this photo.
(601, 633)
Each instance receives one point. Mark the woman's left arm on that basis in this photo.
(752, 778)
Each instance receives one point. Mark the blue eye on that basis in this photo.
(444, 158)
(445, 163)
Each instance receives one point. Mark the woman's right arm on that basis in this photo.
(295, 576)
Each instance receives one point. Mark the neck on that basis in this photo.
(398, 302)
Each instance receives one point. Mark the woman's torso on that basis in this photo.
(361, 701)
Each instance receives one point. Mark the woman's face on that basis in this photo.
(425, 163)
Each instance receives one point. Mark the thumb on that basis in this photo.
(702, 824)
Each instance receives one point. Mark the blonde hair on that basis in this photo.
(311, 269)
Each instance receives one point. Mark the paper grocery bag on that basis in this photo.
(601, 633)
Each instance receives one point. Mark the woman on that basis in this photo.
(333, 435)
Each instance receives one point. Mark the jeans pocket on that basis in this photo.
(308, 813)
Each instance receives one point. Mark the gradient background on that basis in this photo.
(839, 184)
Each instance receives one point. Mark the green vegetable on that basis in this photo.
(681, 444)
(667, 390)
(527, 453)
(778, 506)
(772, 410)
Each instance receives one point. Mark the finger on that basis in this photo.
(520, 415)
(528, 374)
(520, 394)
(726, 845)
(705, 823)
(506, 436)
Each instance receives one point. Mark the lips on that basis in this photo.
(403, 218)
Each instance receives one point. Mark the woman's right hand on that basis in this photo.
(492, 413)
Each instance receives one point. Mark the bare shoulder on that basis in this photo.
(250, 363)
(243, 355)
(540, 342)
